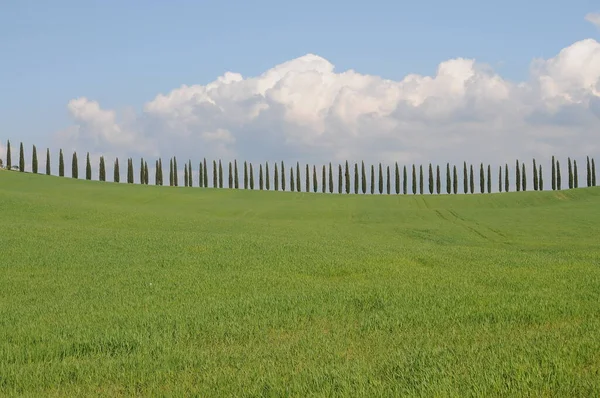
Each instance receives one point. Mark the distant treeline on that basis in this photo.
(350, 178)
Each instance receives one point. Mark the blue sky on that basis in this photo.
(123, 53)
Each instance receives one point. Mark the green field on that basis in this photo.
(114, 289)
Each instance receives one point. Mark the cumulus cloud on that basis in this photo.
(305, 110)
(593, 17)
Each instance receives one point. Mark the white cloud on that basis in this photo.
(593, 17)
(305, 110)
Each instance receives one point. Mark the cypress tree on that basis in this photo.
(298, 176)
(438, 181)
(404, 180)
(323, 179)
(489, 179)
(397, 178)
(175, 172)
(388, 184)
(185, 174)
(236, 180)
(481, 179)
(220, 174)
(245, 175)
(8, 156)
(330, 178)
(61, 164)
(315, 182)
(261, 181)
(160, 170)
(380, 180)
(116, 174)
(372, 179)
(589, 173)
(448, 179)
(267, 177)
(282, 176)
(363, 175)
(518, 176)
(292, 187)
(575, 175)
(535, 176)
(506, 178)
(156, 174)
(553, 174)
(430, 179)
(130, 171)
(421, 179)
(455, 179)
(142, 170)
(74, 168)
(570, 171)
(558, 179)
(88, 168)
(146, 173)
(34, 161)
(524, 178)
(472, 179)
(48, 161)
(230, 176)
(171, 173)
(276, 178)
(465, 178)
(307, 178)
(102, 171)
(190, 173)
(205, 170)
(499, 178)
(356, 182)
(339, 178)
(21, 159)
(414, 179)
(201, 174)
(347, 178)
(593, 173)
(215, 175)
(251, 177)
(540, 180)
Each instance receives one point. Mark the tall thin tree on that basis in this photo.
(201, 174)
(540, 180)
(48, 172)
(215, 175)
(142, 170)
(245, 175)
(448, 179)
(251, 171)
(220, 174)
(465, 178)
(499, 178)
(330, 178)
(88, 167)
(356, 179)
(339, 178)
(9, 157)
(388, 182)
(553, 174)
(380, 179)
(171, 183)
(21, 159)
(282, 176)
(276, 178)
(523, 178)
(506, 178)
(593, 173)
(438, 181)
(230, 176)
(472, 180)
(61, 164)
(558, 178)
(535, 176)
(185, 175)
(363, 174)
(589, 173)
(292, 180)
(298, 178)
(323, 179)
(404, 180)
(102, 170)
(575, 175)
(156, 174)
(518, 176)
(74, 166)
(430, 179)
(347, 178)
(205, 170)
(34, 161)
(414, 179)
(190, 174)
(236, 180)
(421, 179)
(307, 178)
(267, 177)
(481, 179)
(261, 181)
(570, 171)
(315, 182)
(116, 172)
(489, 179)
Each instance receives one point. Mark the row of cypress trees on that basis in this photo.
(344, 179)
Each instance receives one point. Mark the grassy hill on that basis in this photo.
(114, 289)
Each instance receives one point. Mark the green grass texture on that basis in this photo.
(129, 290)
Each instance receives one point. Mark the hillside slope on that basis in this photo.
(115, 289)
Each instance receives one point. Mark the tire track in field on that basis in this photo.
(466, 224)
